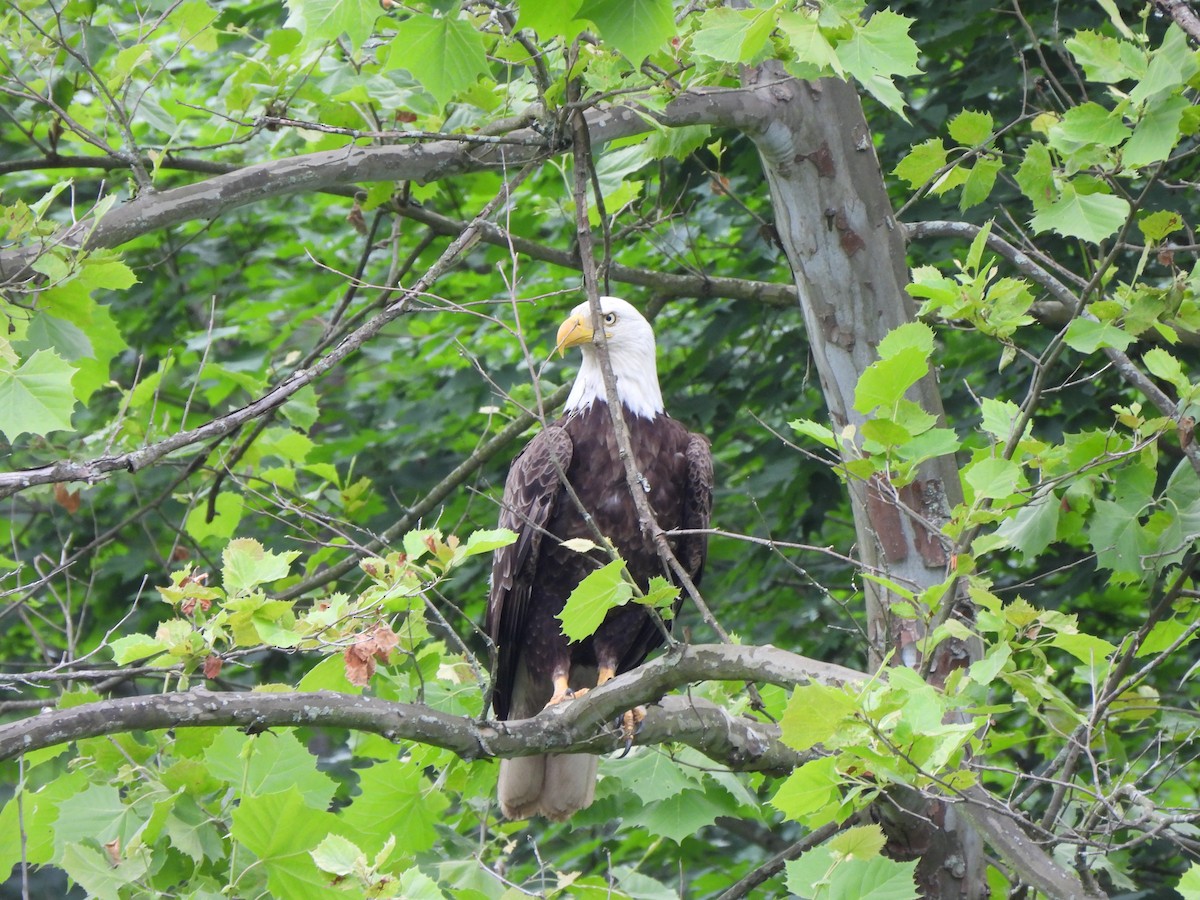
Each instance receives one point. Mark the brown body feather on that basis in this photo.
(532, 578)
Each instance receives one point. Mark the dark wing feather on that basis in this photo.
(697, 505)
(531, 492)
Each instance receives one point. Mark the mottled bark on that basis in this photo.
(847, 253)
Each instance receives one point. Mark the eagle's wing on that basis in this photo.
(530, 494)
(697, 505)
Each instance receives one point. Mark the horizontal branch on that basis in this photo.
(579, 726)
(668, 284)
(422, 162)
(582, 726)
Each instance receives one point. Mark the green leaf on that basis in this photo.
(1035, 177)
(1106, 59)
(993, 477)
(228, 515)
(810, 795)
(999, 417)
(859, 842)
(635, 27)
(809, 45)
(1090, 217)
(884, 382)
(268, 763)
(1117, 539)
(878, 51)
(589, 603)
(445, 54)
(1156, 133)
(1157, 225)
(396, 799)
(136, 646)
(923, 161)
(337, 855)
(245, 565)
(95, 872)
(1088, 335)
(653, 776)
(1090, 123)
(660, 594)
(1172, 65)
(550, 17)
(328, 20)
(485, 541)
(980, 181)
(37, 398)
(733, 35)
(1189, 884)
(1161, 364)
(814, 714)
(819, 433)
(280, 830)
(679, 816)
(971, 128)
(1033, 527)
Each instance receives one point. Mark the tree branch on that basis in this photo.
(430, 161)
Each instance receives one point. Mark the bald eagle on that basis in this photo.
(532, 578)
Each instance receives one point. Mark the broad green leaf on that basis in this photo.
(337, 855)
(1086, 648)
(1162, 364)
(1106, 59)
(1157, 225)
(1033, 527)
(280, 829)
(37, 397)
(661, 595)
(1172, 64)
(980, 181)
(1035, 177)
(810, 794)
(246, 564)
(819, 433)
(911, 335)
(971, 128)
(601, 591)
(94, 871)
(1090, 217)
(884, 382)
(635, 27)
(1090, 123)
(1162, 636)
(859, 842)
(923, 161)
(1088, 336)
(653, 776)
(733, 35)
(132, 647)
(681, 815)
(877, 52)
(328, 20)
(809, 44)
(485, 541)
(1117, 539)
(268, 763)
(984, 671)
(993, 477)
(1156, 134)
(550, 17)
(814, 714)
(395, 798)
(999, 417)
(227, 516)
(1189, 884)
(445, 54)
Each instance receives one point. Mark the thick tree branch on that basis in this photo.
(1183, 14)
(430, 161)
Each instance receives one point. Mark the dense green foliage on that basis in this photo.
(1070, 136)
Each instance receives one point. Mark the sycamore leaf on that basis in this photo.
(635, 27)
(246, 565)
(1090, 217)
(971, 128)
(809, 44)
(814, 714)
(860, 842)
(589, 603)
(733, 35)
(884, 382)
(1033, 527)
(488, 540)
(1189, 884)
(1157, 225)
(810, 794)
(680, 816)
(37, 397)
(549, 17)
(328, 20)
(878, 51)
(980, 181)
(922, 162)
(993, 477)
(444, 54)
(1088, 335)
(337, 855)
(1156, 134)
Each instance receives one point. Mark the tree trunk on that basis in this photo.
(847, 254)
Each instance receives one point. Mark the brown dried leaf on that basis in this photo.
(68, 500)
(212, 665)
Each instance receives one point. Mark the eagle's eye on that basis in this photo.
(610, 318)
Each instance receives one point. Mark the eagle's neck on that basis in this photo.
(637, 381)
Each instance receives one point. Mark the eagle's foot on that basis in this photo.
(563, 693)
(631, 724)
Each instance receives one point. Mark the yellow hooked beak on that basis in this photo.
(571, 333)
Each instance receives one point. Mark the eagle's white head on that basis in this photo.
(630, 348)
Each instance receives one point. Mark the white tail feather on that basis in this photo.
(556, 787)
